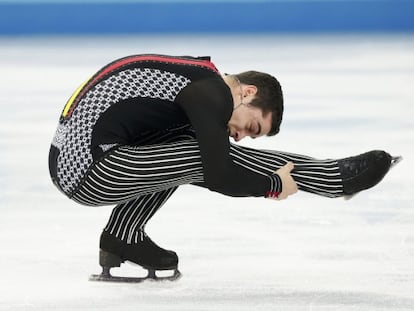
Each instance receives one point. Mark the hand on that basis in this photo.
(289, 186)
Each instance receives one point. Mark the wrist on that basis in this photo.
(275, 187)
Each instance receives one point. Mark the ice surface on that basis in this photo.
(344, 95)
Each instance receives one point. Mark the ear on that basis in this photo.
(250, 90)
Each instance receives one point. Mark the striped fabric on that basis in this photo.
(140, 179)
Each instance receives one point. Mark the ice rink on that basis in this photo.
(344, 95)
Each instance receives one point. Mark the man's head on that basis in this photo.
(259, 109)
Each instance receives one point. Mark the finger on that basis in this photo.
(289, 166)
(286, 168)
(281, 197)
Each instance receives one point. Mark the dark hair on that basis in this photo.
(269, 96)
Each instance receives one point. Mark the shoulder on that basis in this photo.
(209, 95)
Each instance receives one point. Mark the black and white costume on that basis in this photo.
(146, 124)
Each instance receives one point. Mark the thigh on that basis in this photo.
(130, 171)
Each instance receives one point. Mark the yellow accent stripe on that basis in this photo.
(72, 98)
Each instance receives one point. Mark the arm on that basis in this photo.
(208, 104)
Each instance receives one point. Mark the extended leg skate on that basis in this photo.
(365, 170)
(145, 253)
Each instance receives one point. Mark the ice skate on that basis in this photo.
(364, 171)
(114, 252)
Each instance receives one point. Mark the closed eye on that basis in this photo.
(259, 129)
(255, 130)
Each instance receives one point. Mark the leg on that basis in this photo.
(128, 220)
(129, 172)
(159, 162)
(140, 180)
(124, 237)
(330, 178)
(322, 177)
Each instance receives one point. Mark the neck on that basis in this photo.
(236, 89)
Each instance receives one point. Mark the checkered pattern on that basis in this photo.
(73, 136)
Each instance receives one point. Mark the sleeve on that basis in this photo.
(208, 104)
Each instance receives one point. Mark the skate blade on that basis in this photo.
(394, 161)
(107, 277)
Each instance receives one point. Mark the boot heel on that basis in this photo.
(109, 260)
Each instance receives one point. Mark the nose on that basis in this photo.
(239, 135)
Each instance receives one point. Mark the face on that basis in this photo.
(248, 120)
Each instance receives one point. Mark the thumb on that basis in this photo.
(288, 167)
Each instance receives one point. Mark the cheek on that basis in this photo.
(241, 117)
(267, 123)
(234, 120)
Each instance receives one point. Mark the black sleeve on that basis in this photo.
(209, 105)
